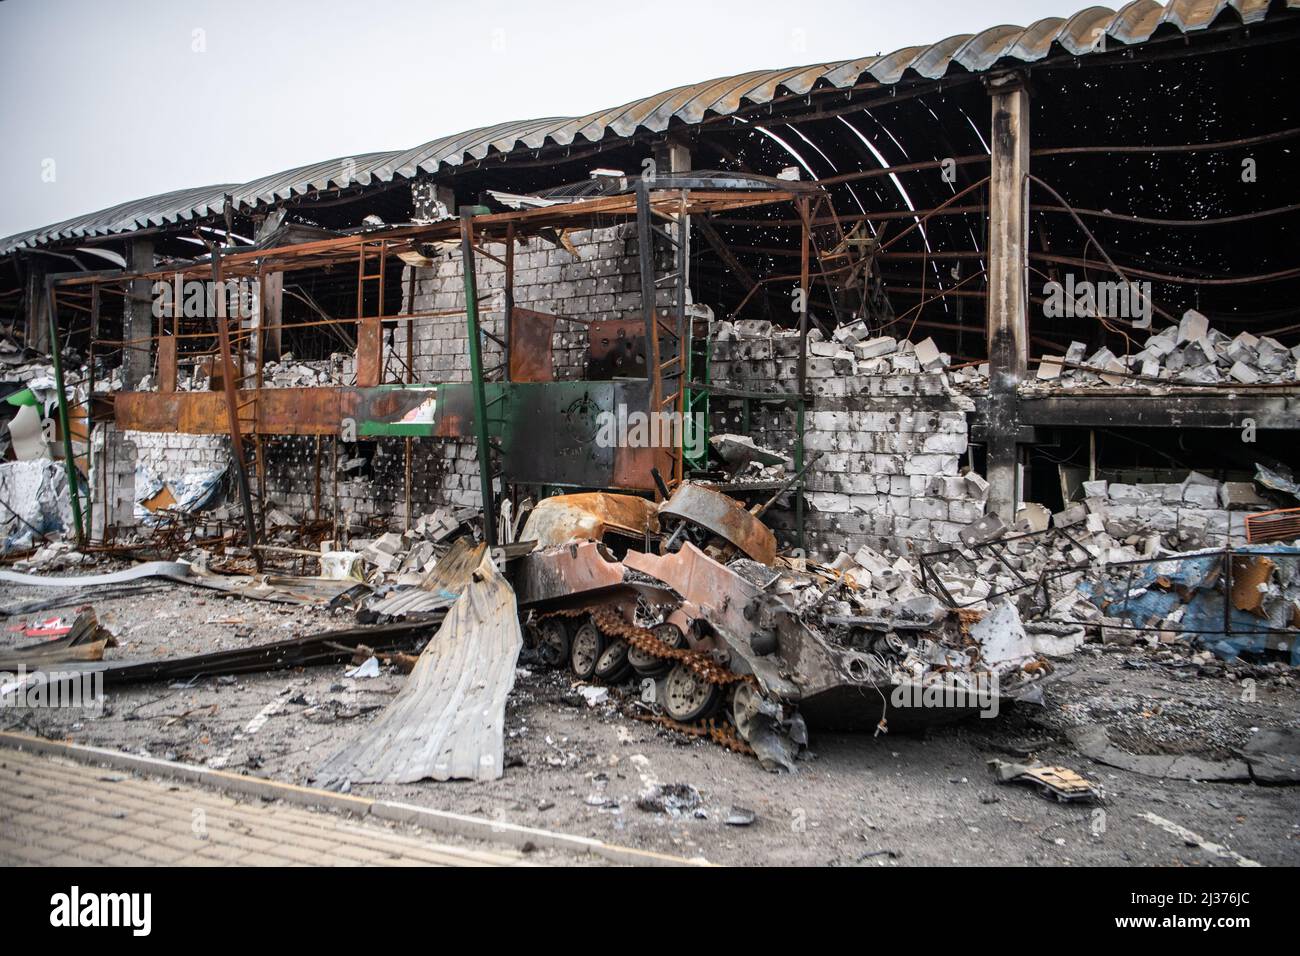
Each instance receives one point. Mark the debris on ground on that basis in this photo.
(447, 722)
(1060, 782)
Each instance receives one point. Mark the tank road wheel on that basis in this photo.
(669, 634)
(552, 642)
(744, 703)
(585, 650)
(647, 665)
(613, 665)
(689, 697)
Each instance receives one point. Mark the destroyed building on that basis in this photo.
(1007, 315)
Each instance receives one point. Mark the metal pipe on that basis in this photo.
(232, 411)
(69, 465)
(476, 373)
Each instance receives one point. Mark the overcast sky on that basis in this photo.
(120, 100)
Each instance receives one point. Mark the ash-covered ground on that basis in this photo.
(858, 799)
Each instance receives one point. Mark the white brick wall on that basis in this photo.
(894, 447)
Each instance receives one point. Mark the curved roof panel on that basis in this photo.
(1082, 33)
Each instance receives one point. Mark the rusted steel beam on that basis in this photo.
(232, 411)
(508, 291)
(645, 255)
(272, 411)
(803, 297)
(370, 352)
(1007, 318)
(476, 373)
(167, 363)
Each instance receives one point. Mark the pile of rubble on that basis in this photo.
(850, 362)
(1197, 512)
(289, 372)
(1189, 353)
(407, 558)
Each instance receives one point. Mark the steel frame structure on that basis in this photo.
(246, 410)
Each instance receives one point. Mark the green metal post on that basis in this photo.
(69, 465)
(476, 374)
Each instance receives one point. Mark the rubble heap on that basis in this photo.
(851, 362)
(289, 372)
(1194, 513)
(1189, 353)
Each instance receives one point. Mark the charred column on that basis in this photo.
(137, 318)
(1008, 316)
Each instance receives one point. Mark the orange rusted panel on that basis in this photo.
(167, 363)
(724, 516)
(300, 411)
(370, 352)
(531, 334)
(279, 411)
(632, 466)
(589, 516)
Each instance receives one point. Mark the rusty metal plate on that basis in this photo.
(1249, 575)
(531, 335)
(370, 352)
(725, 517)
(167, 363)
(632, 467)
(297, 411)
(576, 576)
(278, 411)
(563, 519)
(616, 349)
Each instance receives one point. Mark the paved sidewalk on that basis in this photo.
(57, 812)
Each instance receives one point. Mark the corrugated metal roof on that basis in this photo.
(447, 721)
(1085, 32)
(334, 173)
(163, 209)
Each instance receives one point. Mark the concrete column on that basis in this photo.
(1008, 315)
(271, 293)
(36, 334)
(672, 157)
(138, 322)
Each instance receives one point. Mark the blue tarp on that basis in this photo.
(192, 491)
(1204, 612)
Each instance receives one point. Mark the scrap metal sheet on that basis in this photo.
(448, 721)
(563, 519)
(151, 569)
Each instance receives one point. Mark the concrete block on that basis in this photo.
(1050, 367)
(1033, 516)
(1095, 489)
(1240, 496)
(1192, 327)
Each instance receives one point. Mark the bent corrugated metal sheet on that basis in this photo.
(448, 720)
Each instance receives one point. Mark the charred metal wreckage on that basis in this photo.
(723, 397)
